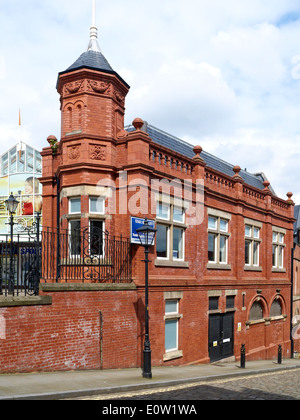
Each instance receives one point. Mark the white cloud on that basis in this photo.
(221, 73)
(190, 96)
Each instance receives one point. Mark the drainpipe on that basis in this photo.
(292, 301)
(101, 339)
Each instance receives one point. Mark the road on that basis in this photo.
(268, 386)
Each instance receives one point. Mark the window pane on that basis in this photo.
(171, 306)
(212, 223)
(178, 215)
(4, 170)
(212, 247)
(171, 335)
(248, 230)
(230, 301)
(274, 259)
(213, 303)
(275, 237)
(163, 211)
(255, 253)
(248, 252)
(96, 237)
(177, 243)
(256, 232)
(75, 237)
(281, 238)
(276, 309)
(223, 225)
(13, 160)
(162, 241)
(29, 166)
(256, 312)
(280, 256)
(96, 205)
(38, 162)
(75, 205)
(21, 161)
(223, 253)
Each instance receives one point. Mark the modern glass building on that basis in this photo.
(20, 168)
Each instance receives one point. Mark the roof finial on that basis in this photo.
(93, 44)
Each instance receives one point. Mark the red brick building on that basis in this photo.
(220, 271)
(296, 282)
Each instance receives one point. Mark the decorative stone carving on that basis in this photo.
(98, 87)
(97, 152)
(122, 134)
(119, 97)
(73, 87)
(74, 152)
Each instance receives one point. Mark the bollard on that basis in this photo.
(243, 356)
(279, 354)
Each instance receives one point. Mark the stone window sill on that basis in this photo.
(213, 266)
(171, 355)
(252, 268)
(168, 263)
(278, 270)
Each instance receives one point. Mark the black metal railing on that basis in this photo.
(20, 265)
(84, 256)
(48, 256)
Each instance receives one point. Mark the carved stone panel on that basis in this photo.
(97, 152)
(74, 152)
(98, 87)
(73, 87)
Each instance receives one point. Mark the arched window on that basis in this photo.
(276, 308)
(69, 122)
(256, 311)
(79, 117)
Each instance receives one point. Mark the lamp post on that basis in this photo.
(11, 206)
(146, 235)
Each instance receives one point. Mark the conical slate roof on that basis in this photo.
(93, 58)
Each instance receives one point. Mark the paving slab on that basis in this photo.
(72, 384)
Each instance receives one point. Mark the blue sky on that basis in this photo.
(222, 74)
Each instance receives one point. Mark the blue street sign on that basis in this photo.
(136, 223)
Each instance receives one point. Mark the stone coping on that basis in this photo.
(9, 301)
(86, 287)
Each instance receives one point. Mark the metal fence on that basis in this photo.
(20, 265)
(51, 256)
(84, 256)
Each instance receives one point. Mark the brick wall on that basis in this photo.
(66, 334)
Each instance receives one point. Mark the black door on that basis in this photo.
(221, 335)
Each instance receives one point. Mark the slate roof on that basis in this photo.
(180, 146)
(297, 217)
(93, 60)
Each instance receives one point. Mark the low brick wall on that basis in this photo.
(69, 327)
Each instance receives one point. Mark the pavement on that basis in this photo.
(75, 384)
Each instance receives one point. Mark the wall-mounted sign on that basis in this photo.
(135, 223)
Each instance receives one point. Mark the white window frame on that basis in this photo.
(183, 244)
(70, 241)
(172, 316)
(252, 238)
(173, 353)
(167, 258)
(70, 202)
(170, 224)
(218, 232)
(278, 244)
(103, 235)
(102, 199)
